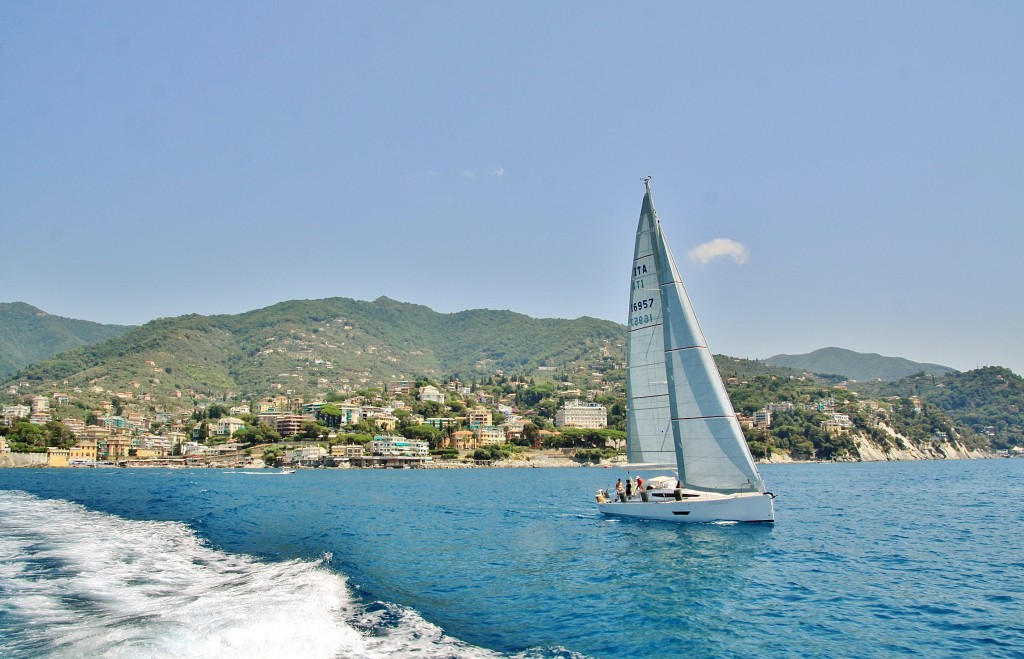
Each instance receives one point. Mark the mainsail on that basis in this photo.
(678, 410)
(649, 435)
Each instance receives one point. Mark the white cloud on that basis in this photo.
(497, 171)
(718, 248)
(465, 173)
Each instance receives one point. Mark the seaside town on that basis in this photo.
(389, 429)
(405, 424)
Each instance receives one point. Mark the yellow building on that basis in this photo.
(464, 439)
(57, 457)
(84, 449)
(479, 416)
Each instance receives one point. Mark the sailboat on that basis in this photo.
(679, 416)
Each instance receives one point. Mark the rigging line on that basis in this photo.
(637, 329)
(650, 342)
(664, 436)
(694, 347)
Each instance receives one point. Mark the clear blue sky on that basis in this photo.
(862, 162)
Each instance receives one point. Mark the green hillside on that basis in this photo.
(328, 349)
(29, 335)
(310, 347)
(863, 367)
(989, 401)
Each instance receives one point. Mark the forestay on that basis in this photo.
(679, 411)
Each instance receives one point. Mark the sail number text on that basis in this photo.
(639, 272)
(642, 304)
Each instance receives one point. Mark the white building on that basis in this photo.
(194, 448)
(305, 455)
(16, 411)
(762, 419)
(156, 443)
(350, 414)
(836, 422)
(577, 414)
(387, 445)
(227, 426)
(491, 436)
(430, 393)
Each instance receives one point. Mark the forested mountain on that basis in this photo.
(987, 400)
(312, 346)
(984, 405)
(859, 366)
(326, 349)
(29, 335)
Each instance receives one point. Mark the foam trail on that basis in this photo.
(75, 582)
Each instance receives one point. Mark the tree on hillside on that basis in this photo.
(429, 409)
(403, 417)
(424, 433)
(366, 427)
(257, 434)
(330, 416)
(25, 436)
(312, 430)
(217, 411)
(531, 435)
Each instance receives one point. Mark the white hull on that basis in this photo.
(746, 507)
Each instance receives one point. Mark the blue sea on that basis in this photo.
(865, 560)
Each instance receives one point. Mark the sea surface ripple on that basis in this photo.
(865, 560)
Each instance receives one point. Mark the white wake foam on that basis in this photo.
(75, 582)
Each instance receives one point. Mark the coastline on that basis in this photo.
(530, 460)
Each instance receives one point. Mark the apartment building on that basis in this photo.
(577, 414)
(398, 446)
(479, 416)
(491, 436)
(431, 393)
